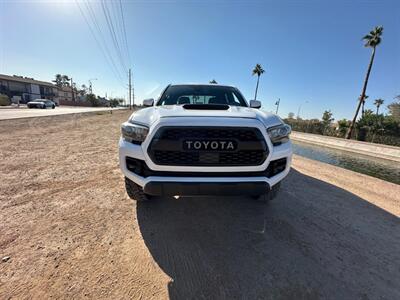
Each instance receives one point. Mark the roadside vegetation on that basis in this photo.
(4, 100)
(372, 127)
(84, 92)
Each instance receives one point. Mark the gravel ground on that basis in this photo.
(68, 230)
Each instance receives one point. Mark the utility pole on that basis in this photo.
(90, 85)
(277, 105)
(72, 90)
(130, 90)
(298, 112)
(133, 94)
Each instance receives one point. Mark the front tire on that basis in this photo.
(135, 192)
(267, 197)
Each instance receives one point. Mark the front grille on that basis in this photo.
(140, 168)
(242, 134)
(166, 148)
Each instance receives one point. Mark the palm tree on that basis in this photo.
(58, 80)
(213, 81)
(372, 40)
(65, 80)
(258, 70)
(83, 90)
(378, 103)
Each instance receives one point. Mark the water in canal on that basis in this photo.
(380, 168)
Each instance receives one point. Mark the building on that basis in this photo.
(27, 89)
(66, 94)
(71, 97)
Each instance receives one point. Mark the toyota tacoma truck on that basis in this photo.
(203, 139)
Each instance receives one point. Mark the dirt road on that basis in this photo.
(70, 231)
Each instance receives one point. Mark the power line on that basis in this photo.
(99, 44)
(115, 23)
(119, 31)
(113, 35)
(125, 42)
(100, 33)
(124, 31)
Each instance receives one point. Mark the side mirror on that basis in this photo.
(148, 102)
(255, 104)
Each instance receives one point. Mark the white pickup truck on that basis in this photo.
(203, 139)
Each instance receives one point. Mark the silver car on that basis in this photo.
(41, 103)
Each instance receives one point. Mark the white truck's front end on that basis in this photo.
(191, 149)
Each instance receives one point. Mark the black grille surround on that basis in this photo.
(139, 167)
(166, 147)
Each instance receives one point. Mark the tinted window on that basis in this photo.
(201, 94)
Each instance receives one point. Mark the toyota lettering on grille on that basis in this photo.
(210, 145)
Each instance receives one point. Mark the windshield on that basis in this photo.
(201, 94)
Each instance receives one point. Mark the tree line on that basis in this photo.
(66, 81)
(84, 91)
(373, 126)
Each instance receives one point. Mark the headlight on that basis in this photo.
(279, 134)
(134, 133)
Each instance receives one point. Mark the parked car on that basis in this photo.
(41, 103)
(204, 140)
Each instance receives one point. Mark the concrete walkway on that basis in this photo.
(370, 149)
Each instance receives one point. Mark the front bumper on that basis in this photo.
(165, 188)
(179, 181)
(171, 184)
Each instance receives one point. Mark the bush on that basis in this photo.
(384, 139)
(370, 128)
(4, 100)
(308, 126)
(91, 98)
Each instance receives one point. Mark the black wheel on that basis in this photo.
(134, 191)
(53, 107)
(265, 198)
(44, 107)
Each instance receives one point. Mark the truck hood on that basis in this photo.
(149, 115)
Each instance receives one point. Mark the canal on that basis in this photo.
(380, 168)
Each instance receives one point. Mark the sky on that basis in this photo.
(311, 51)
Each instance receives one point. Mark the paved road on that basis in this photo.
(17, 113)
